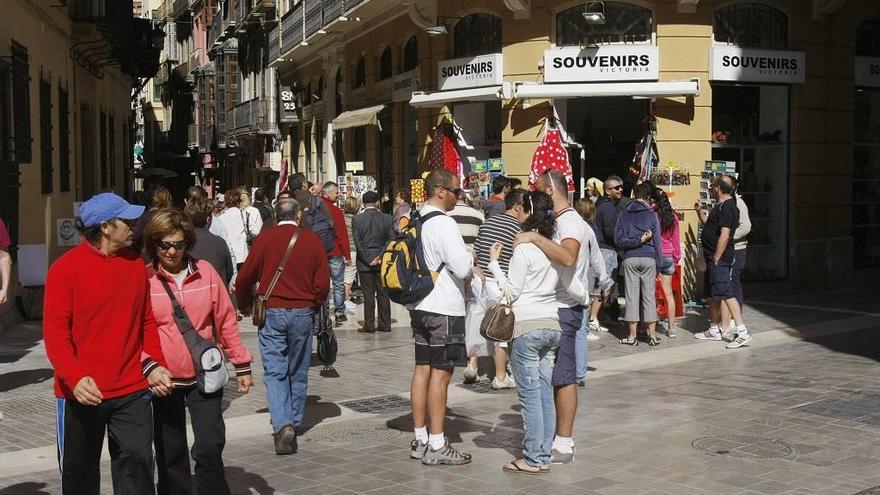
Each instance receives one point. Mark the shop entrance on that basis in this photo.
(609, 129)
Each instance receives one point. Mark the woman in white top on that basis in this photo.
(530, 286)
(242, 222)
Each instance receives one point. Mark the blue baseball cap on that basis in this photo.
(104, 207)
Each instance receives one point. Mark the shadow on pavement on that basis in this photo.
(505, 434)
(26, 488)
(316, 412)
(14, 379)
(241, 481)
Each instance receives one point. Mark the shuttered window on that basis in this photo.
(46, 170)
(21, 103)
(63, 139)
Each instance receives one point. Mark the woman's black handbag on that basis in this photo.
(328, 347)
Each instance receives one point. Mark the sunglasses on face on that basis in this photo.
(165, 245)
(454, 190)
(616, 188)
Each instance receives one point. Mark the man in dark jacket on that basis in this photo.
(501, 185)
(263, 204)
(372, 230)
(209, 247)
(638, 233)
(607, 209)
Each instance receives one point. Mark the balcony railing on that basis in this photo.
(192, 136)
(249, 10)
(221, 28)
(251, 117)
(304, 21)
(179, 8)
(195, 59)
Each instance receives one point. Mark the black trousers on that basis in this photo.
(128, 421)
(373, 290)
(209, 430)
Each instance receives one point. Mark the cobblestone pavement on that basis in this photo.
(796, 412)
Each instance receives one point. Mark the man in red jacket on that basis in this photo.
(341, 253)
(286, 336)
(103, 343)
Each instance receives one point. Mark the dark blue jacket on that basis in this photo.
(606, 218)
(637, 219)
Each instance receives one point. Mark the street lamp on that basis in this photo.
(594, 13)
(440, 28)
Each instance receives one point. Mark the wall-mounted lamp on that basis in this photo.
(594, 13)
(440, 28)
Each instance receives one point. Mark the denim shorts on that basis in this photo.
(669, 262)
(565, 369)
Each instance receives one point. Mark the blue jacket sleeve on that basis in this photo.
(621, 241)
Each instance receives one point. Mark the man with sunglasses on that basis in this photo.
(103, 344)
(608, 208)
(438, 321)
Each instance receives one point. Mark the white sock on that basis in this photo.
(436, 441)
(741, 330)
(563, 444)
(714, 328)
(421, 434)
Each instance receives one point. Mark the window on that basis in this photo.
(46, 172)
(385, 63)
(308, 97)
(477, 34)
(319, 89)
(411, 54)
(624, 23)
(751, 25)
(360, 144)
(9, 177)
(338, 91)
(5, 136)
(360, 73)
(21, 103)
(64, 138)
(866, 158)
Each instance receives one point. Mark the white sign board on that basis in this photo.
(731, 63)
(868, 72)
(604, 63)
(403, 84)
(33, 264)
(470, 72)
(354, 166)
(76, 207)
(66, 232)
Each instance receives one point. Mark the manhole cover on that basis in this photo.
(861, 407)
(376, 404)
(28, 405)
(350, 434)
(745, 447)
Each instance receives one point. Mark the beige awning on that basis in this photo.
(357, 118)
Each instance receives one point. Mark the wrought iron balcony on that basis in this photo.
(179, 8)
(221, 28)
(251, 117)
(192, 136)
(252, 10)
(304, 21)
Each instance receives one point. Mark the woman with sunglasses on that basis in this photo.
(168, 238)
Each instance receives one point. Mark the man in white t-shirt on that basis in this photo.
(438, 321)
(571, 254)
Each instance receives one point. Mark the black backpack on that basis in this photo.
(320, 222)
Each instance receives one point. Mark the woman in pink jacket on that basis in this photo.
(168, 238)
(670, 240)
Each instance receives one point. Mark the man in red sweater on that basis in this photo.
(286, 337)
(341, 253)
(103, 343)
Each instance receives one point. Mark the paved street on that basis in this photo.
(797, 412)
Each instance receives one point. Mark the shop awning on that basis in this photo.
(357, 118)
(440, 98)
(665, 89)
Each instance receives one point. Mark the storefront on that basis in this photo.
(866, 148)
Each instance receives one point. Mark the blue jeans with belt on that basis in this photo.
(337, 276)
(531, 360)
(286, 349)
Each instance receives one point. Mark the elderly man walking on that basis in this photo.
(372, 230)
(103, 343)
(286, 335)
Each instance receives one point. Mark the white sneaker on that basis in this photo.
(502, 384)
(596, 327)
(729, 335)
(470, 375)
(740, 340)
(708, 335)
(592, 336)
(350, 307)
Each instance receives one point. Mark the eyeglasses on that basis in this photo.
(165, 245)
(454, 190)
(616, 188)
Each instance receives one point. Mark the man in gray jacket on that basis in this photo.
(372, 230)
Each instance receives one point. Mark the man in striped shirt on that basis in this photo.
(469, 220)
(498, 228)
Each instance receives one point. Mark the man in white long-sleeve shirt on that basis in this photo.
(741, 243)
(571, 255)
(438, 321)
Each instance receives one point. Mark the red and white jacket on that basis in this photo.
(204, 297)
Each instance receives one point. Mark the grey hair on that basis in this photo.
(286, 210)
(328, 186)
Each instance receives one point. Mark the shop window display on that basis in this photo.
(866, 158)
(624, 23)
(750, 128)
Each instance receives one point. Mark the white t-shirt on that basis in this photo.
(530, 283)
(570, 291)
(442, 243)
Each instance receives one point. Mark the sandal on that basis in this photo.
(515, 466)
(633, 342)
(654, 342)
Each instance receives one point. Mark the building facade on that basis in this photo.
(67, 73)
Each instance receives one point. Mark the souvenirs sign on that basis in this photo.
(604, 63)
(470, 72)
(732, 63)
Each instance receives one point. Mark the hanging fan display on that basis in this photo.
(551, 155)
(646, 158)
(444, 150)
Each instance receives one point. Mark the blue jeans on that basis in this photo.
(286, 349)
(531, 360)
(337, 276)
(582, 346)
(739, 264)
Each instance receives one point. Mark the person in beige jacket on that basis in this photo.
(741, 242)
